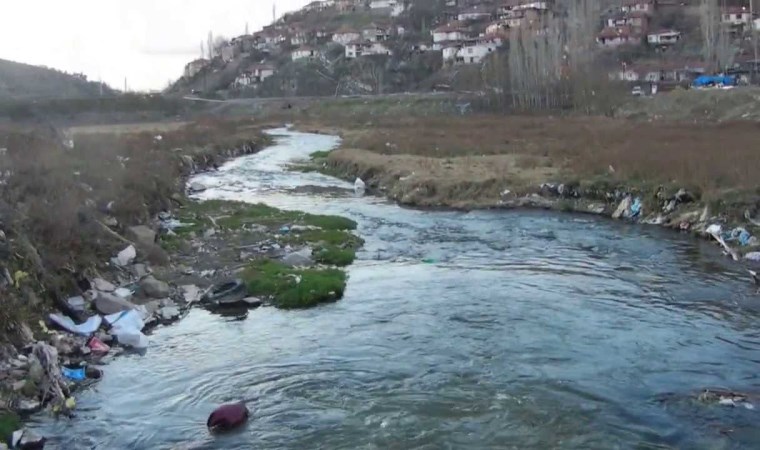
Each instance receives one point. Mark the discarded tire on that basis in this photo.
(227, 294)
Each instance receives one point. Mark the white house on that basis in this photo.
(299, 38)
(448, 33)
(473, 14)
(383, 4)
(303, 53)
(736, 15)
(375, 33)
(496, 27)
(531, 5)
(366, 48)
(345, 36)
(450, 52)
(255, 74)
(475, 52)
(663, 37)
(646, 6)
(613, 37)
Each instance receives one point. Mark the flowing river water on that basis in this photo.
(520, 330)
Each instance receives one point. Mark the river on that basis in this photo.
(521, 330)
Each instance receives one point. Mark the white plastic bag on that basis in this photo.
(127, 327)
(359, 187)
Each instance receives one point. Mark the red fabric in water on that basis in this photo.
(228, 416)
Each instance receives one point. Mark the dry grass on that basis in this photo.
(712, 158)
(53, 199)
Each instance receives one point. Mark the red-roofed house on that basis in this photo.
(615, 36)
(736, 16)
(663, 37)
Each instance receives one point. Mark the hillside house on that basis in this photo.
(344, 36)
(317, 6)
(671, 71)
(473, 14)
(303, 53)
(375, 33)
(383, 4)
(525, 17)
(496, 27)
(736, 16)
(346, 5)
(645, 6)
(254, 75)
(451, 50)
(299, 38)
(637, 20)
(613, 37)
(522, 5)
(663, 37)
(366, 48)
(475, 51)
(450, 32)
(194, 67)
(230, 52)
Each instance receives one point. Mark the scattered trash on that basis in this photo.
(714, 229)
(285, 229)
(125, 257)
(124, 293)
(752, 256)
(169, 313)
(359, 187)
(731, 252)
(127, 327)
(74, 373)
(85, 329)
(18, 277)
(635, 208)
(76, 304)
(252, 302)
(429, 261)
(227, 417)
(98, 346)
(226, 294)
(191, 293)
(755, 277)
(301, 258)
(622, 208)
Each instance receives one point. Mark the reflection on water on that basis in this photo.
(521, 329)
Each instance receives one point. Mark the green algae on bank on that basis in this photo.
(294, 288)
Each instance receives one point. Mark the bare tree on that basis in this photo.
(210, 45)
(709, 17)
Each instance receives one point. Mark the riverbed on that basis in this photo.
(486, 329)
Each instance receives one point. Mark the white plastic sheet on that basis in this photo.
(127, 327)
(90, 326)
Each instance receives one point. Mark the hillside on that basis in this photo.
(24, 82)
(345, 47)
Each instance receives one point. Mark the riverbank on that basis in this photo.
(683, 176)
(120, 236)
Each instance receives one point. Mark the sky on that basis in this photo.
(148, 42)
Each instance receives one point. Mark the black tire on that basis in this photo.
(228, 293)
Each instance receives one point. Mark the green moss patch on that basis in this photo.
(9, 423)
(331, 247)
(294, 288)
(320, 155)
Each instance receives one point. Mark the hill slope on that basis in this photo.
(24, 81)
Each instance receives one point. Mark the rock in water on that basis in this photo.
(197, 187)
(154, 288)
(622, 209)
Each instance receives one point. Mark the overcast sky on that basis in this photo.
(146, 41)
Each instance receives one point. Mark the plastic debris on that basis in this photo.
(127, 327)
(74, 373)
(18, 277)
(636, 208)
(125, 257)
(77, 303)
(124, 293)
(359, 187)
(98, 346)
(752, 256)
(84, 329)
(714, 229)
